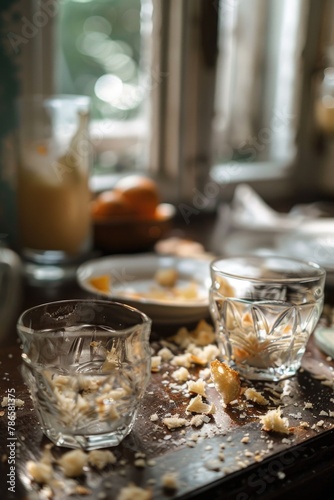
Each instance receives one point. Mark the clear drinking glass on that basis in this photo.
(87, 364)
(53, 196)
(264, 310)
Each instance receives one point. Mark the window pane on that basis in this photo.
(100, 54)
(261, 44)
(103, 52)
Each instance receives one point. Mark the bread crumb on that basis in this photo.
(255, 396)
(166, 277)
(202, 335)
(182, 360)
(132, 492)
(101, 458)
(140, 463)
(182, 337)
(214, 464)
(165, 354)
(197, 387)
(197, 405)
(154, 417)
(205, 374)
(73, 462)
(155, 363)
(80, 490)
(40, 472)
(12, 401)
(181, 375)
(226, 381)
(328, 383)
(175, 422)
(203, 355)
(273, 421)
(169, 481)
(199, 419)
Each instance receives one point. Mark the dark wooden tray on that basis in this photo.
(268, 466)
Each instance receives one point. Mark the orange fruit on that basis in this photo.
(110, 204)
(141, 193)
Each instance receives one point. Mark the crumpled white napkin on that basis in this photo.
(249, 225)
(250, 212)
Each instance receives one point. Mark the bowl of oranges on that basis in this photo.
(130, 217)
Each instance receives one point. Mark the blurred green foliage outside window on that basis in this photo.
(100, 54)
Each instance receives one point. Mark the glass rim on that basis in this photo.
(146, 320)
(53, 97)
(318, 271)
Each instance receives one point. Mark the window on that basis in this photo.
(258, 84)
(191, 91)
(257, 78)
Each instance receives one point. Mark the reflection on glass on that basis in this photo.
(324, 108)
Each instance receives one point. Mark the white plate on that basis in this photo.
(135, 274)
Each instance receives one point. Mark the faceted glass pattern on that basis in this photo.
(265, 317)
(87, 364)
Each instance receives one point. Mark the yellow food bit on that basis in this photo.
(166, 277)
(101, 283)
(224, 287)
(42, 149)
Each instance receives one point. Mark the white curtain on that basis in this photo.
(259, 68)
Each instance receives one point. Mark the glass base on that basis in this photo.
(266, 374)
(88, 442)
(36, 273)
(40, 267)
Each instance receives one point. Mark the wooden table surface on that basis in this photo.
(214, 460)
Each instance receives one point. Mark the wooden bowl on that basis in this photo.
(125, 234)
